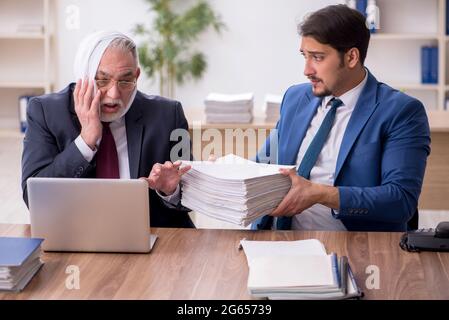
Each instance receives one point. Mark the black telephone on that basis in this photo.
(427, 239)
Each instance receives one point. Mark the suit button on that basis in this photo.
(78, 172)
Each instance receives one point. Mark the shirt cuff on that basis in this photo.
(335, 213)
(173, 198)
(85, 150)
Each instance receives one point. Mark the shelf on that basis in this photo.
(11, 133)
(22, 85)
(404, 36)
(413, 86)
(22, 35)
(438, 121)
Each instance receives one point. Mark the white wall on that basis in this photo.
(257, 52)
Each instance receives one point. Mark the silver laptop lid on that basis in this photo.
(93, 215)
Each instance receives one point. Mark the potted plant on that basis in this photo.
(165, 52)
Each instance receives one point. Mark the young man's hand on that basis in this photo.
(303, 194)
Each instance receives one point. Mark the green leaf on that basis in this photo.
(198, 65)
(139, 29)
(195, 21)
(165, 53)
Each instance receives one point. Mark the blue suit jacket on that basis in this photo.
(382, 158)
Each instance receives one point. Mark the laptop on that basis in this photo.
(90, 215)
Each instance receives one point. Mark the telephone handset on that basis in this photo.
(427, 239)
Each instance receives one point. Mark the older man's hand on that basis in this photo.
(166, 177)
(87, 108)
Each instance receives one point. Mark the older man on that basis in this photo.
(103, 127)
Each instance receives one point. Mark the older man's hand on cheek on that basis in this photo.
(87, 108)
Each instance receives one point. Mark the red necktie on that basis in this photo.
(107, 158)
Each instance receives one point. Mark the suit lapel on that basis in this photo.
(363, 110)
(134, 133)
(305, 110)
(75, 119)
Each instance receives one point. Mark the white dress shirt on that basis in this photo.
(319, 217)
(118, 130)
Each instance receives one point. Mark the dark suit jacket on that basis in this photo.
(49, 149)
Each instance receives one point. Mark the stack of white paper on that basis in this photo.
(232, 108)
(19, 262)
(296, 270)
(272, 107)
(233, 189)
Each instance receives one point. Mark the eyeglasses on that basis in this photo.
(106, 84)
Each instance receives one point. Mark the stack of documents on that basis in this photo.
(229, 108)
(272, 107)
(297, 270)
(19, 262)
(233, 189)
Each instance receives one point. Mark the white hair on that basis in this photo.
(126, 44)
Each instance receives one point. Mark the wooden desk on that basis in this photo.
(435, 192)
(205, 264)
